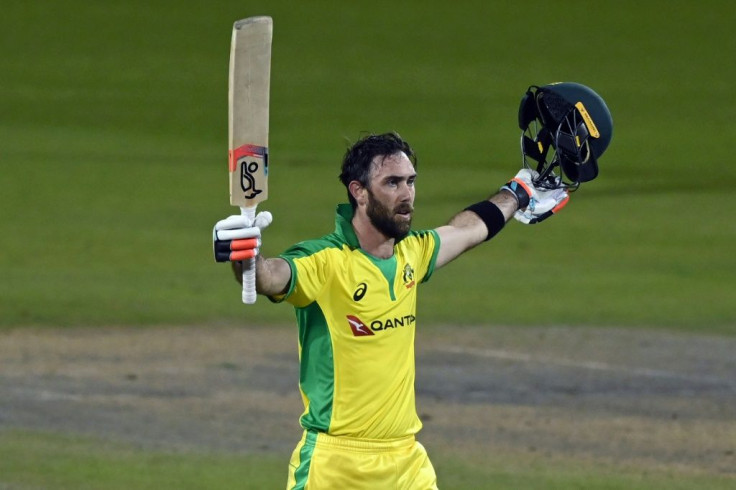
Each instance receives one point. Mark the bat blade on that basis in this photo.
(248, 103)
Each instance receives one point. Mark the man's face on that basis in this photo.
(391, 195)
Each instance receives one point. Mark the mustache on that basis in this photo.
(404, 208)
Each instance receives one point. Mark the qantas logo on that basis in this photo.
(360, 329)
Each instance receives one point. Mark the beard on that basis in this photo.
(386, 220)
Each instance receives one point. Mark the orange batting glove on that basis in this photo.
(236, 238)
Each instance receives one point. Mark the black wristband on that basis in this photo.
(491, 216)
(520, 192)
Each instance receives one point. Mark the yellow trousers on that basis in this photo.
(323, 462)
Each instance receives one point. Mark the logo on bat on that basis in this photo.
(249, 167)
(247, 181)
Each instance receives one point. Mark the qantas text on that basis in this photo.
(378, 325)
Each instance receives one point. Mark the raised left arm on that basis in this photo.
(467, 229)
(483, 220)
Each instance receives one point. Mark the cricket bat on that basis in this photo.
(248, 97)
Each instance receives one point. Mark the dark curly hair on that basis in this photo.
(356, 164)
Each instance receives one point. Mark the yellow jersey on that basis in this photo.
(356, 316)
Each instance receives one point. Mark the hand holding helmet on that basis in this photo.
(566, 127)
(535, 204)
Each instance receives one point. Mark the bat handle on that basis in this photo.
(249, 266)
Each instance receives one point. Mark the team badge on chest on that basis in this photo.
(408, 276)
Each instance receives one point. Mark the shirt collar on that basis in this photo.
(344, 225)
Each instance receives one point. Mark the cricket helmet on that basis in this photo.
(565, 125)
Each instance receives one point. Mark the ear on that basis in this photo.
(358, 192)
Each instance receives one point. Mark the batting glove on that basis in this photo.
(237, 238)
(535, 205)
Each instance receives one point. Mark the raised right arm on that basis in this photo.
(272, 275)
(236, 239)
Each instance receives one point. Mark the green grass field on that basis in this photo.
(32, 461)
(113, 145)
(113, 149)
(114, 142)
